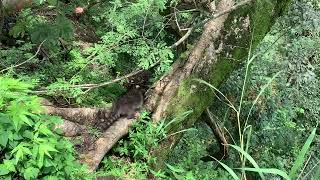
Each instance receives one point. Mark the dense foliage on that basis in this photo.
(28, 146)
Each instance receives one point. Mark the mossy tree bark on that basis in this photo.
(221, 49)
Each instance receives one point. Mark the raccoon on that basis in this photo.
(126, 106)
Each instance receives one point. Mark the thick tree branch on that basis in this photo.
(77, 115)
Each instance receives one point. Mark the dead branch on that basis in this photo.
(89, 87)
(223, 144)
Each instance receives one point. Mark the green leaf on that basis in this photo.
(300, 159)
(52, 2)
(16, 123)
(20, 151)
(44, 149)
(43, 129)
(3, 170)
(31, 173)
(28, 134)
(175, 169)
(26, 120)
(10, 165)
(4, 136)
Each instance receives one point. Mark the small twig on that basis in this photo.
(89, 87)
(163, 27)
(144, 22)
(182, 39)
(22, 63)
(314, 166)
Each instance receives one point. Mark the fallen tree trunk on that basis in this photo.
(222, 47)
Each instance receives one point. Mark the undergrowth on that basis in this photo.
(28, 146)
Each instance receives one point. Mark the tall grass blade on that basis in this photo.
(250, 159)
(230, 171)
(179, 118)
(260, 93)
(248, 141)
(181, 131)
(217, 90)
(300, 159)
(269, 171)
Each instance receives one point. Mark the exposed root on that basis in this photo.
(70, 129)
(74, 124)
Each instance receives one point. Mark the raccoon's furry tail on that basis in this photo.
(107, 121)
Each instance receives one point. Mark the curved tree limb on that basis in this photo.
(22, 63)
(77, 115)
